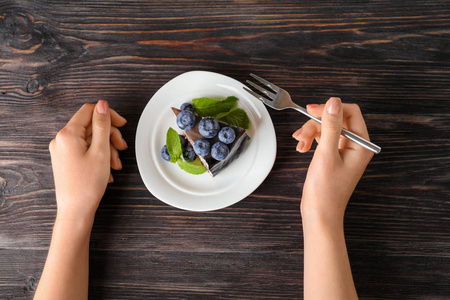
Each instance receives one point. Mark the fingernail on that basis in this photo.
(300, 146)
(311, 106)
(125, 143)
(102, 107)
(334, 107)
(119, 162)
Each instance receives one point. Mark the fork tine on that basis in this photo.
(262, 90)
(267, 83)
(264, 100)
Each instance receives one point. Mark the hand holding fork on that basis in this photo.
(280, 99)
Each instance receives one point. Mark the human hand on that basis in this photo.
(82, 155)
(338, 163)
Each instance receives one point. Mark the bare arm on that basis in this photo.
(82, 153)
(336, 168)
(66, 270)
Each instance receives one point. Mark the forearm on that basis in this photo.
(327, 272)
(66, 271)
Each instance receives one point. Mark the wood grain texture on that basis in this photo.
(390, 57)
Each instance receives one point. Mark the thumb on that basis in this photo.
(101, 127)
(331, 125)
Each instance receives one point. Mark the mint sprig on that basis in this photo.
(224, 110)
(195, 167)
(173, 144)
(236, 117)
(205, 106)
(175, 150)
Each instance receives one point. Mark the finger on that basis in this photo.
(101, 128)
(77, 125)
(356, 124)
(315, 109)
(115, 136)
(332, 118)
(117, 140)
(297, 133)
(116, 163)
(116, 119)
(298, 136)
(119, 143)
(83, 116)
(111, 178)
(353, 119)
(306, 135)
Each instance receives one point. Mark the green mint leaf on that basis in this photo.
(209, 107)
(232, 98)
(173, 144)
(237, 117)
(195, 167)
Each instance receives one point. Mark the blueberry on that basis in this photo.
(183, 141)
(187, 106)
(186, 120)
(202, 147)
(219, 151)
(208, 127)
(227, 135)
(189, 153)
(165, 153)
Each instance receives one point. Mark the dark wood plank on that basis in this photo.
(389, 57)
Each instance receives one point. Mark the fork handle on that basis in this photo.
(348, 134)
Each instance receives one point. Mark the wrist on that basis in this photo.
(326, 211)
(330, 221)
(77, 210)
(73, 222)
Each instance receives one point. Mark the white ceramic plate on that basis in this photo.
(167, 181)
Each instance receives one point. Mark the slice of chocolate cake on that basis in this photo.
(215, 166)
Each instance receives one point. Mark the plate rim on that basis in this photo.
(258, 108)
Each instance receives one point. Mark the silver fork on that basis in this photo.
(280, 99)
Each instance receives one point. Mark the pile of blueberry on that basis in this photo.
(209, 128)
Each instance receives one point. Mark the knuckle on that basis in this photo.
(65, 136)
(61, 135)
(51, 145)
(64, 133)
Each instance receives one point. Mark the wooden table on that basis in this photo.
(390, 57)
